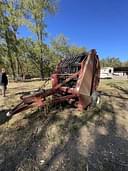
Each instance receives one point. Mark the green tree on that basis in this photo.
(125, 64)
(11, 19)
(74, 50)
(110, 62)
(61, 47)
(35, 12)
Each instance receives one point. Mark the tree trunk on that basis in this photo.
(42, 69)
(18, 66)
(12, 68)
(9, 53)
(11, 64)
(41, 61)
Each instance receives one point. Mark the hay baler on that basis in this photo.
(74, 80)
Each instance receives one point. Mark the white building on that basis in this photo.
(110, 72)
(106, 72)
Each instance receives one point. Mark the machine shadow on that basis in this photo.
(108, 153)
(72, 159)
(15, 154)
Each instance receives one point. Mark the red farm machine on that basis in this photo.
(74, 80)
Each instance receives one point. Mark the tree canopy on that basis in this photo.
(22, 56)
(112, 62)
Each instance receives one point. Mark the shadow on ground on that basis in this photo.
(108, 153)
(110, 150)
(25, 147)
(21, 153)
(20, 143)
(118, 87)
(111, 95)
(3, 117)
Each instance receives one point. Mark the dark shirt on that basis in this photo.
(4, 79)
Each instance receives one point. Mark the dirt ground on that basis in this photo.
(66, 140)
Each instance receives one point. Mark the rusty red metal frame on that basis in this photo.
(87, 80)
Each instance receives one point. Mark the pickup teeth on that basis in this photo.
(71, 64)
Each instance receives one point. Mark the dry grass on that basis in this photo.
(95, 140)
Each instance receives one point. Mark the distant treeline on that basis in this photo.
(113, 62)
(26, 57)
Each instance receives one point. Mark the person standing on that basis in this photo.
(3, 82)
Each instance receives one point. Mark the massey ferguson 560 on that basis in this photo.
(75, 80)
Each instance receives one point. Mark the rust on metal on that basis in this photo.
(74, 80)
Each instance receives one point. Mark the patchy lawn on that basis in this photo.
(66, 140)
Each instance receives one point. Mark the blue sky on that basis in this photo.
(99, 24)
